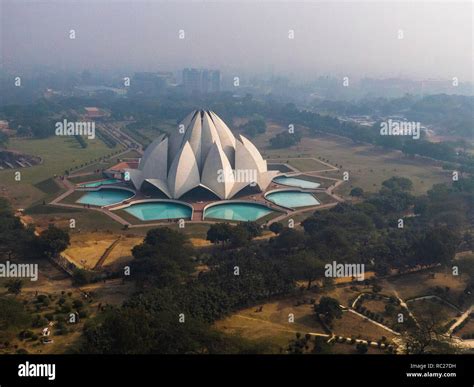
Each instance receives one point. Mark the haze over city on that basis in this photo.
(421, 40)
(236, 177)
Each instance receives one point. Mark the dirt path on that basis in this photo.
(107, 252)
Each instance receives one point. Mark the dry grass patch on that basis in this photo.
(423, 283)
(271, 324)
(352, 325)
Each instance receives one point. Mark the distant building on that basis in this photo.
(201, 80)
(149, 83)
(94, 112)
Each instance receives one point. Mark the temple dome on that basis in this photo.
(201, 152)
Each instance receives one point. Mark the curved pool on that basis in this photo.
(292, 199)
(99, 183)
(295, 182)
(159, 211)
(237, 211)
(105, 197)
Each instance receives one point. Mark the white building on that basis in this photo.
(202, 152)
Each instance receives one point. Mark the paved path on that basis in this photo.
(461, 318)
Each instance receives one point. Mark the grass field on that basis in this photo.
(352, 325)
(271, 324)
(423, 283)
(422, 309)
(368, 165)
(307, 164)
(86, 220)
(87, 248)
(57, 153)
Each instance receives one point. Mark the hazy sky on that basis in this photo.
(339, 38)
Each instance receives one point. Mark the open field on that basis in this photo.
(352, 325)
(57, 153)
(368, 165)
(307, 165)
(271, 324)
(86, 220)
(424, 283)
(423, 309)
(87, 248)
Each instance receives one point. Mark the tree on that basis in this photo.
(53, 241)
(13, 314)
(14, 286)
(15, 239)
(253, 229)
(328, 308)
(398, 183)
(276, 227)
(438, 245)
(239, 236)
(361, 348)
(356, 192)
(219, 232)
(288, 239)
(163, 259)
(307, 266)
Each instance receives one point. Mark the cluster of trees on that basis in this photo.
(453, 112)
(285, 140)
(173, 311)
(18, 241)
(255, 126)
(235, 236)
(371, 231)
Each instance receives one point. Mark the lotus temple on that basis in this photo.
(201, 172)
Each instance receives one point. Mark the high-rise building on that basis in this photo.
(201, 80)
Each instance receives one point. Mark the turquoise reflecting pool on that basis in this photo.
(237, 211)
(99, 183)
(295, 182)
(293, 199)
(105, 197)
(159, 210)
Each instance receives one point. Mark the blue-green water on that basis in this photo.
(293, 199)
(159, 210)
(105, 196)
(295, 182)
(99, 183)
(237, 211)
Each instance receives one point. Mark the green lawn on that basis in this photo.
(305, 165)
(57, 153)
(368, 165)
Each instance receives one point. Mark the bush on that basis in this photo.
(26, 334)
(82, 277)
(77, 304)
